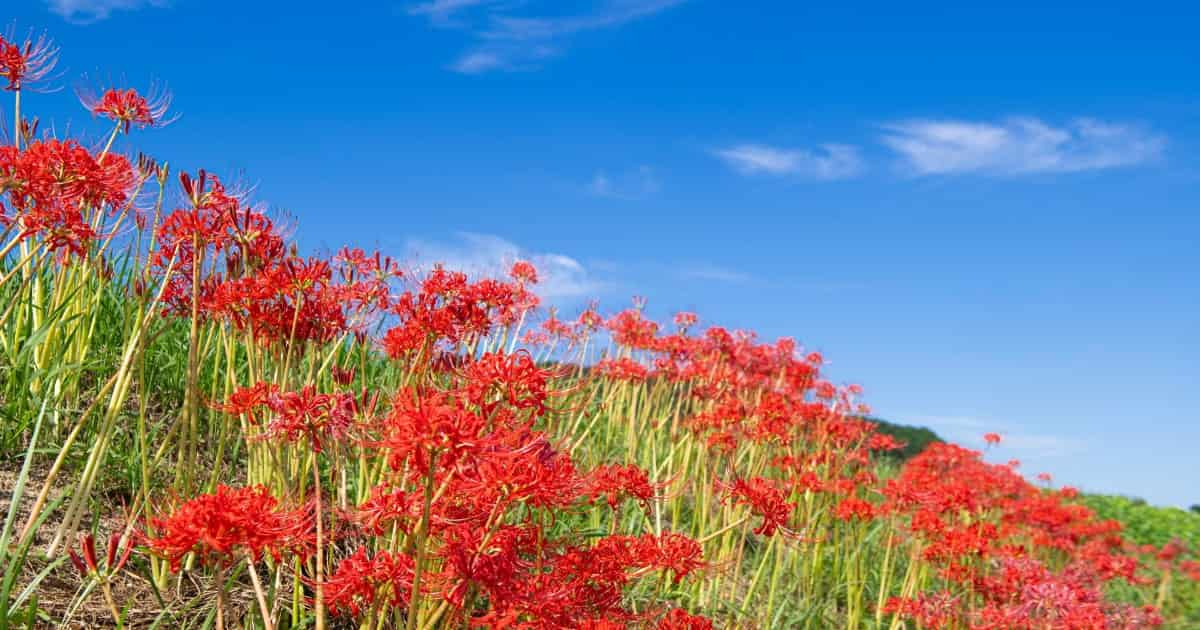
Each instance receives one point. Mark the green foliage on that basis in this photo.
(1146, 524)
(915, 439)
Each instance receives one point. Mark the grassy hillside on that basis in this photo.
(203, 428)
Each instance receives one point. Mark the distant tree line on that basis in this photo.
(915, 439)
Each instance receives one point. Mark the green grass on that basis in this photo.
(1147, 524)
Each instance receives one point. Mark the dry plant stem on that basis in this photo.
(108, 599)
(48, 484)
(17, 118)
(188, 453)
(259, 595)
(319, 604)
(220, 580)
(414, 605)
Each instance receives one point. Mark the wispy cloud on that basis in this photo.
(1019, 145)
(477, 62)
(636, 184)
(87, 11)
(518, 35)
(1015, 439)
(826, 162)
(491, 256)
(606, 15)
(713, 273)
(445, 8)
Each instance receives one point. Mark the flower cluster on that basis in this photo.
(448, 454)
(220, 526)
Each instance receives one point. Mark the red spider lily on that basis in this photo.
(854, 509)
(342, 376)
(766, 499)
(488, 561)
(938, 610)
(313, 416)
(671, 551)
(115, 557)
(28, 63)
(387, 508)
(884, 442)
(685, 320)
(426, 424)
(623, 369)
(449, 309)
(615, 481)
(603, 624)
(127, 107)
(38, 174)
(554, 328)
(1191, 568)
(576, 586)
(589, 320)
(361, 581)
(249, 400)
(356, 264)
(229, 521)
(680, 619)
(512, 379)
(51, 184)
(524, 272)
(630, 328)
(991, 438)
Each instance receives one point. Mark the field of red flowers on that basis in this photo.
(209, 429)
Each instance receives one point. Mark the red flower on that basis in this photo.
(425, 424)
(622, 369)
(85, 561)
(54, 185)
(685, 320)
(27, 63)
(671, 551)
(524, 272)
(630, 329)
(127, 107)
(229, 521)
(312, 415)
(679, 619)
(933, 610)
(513, 379)
(613, 481)
(360, 581)
(386, 508)
(991, 438)
(854, 509)
(248, 400)
(764, 499)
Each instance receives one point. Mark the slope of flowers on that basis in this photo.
(358, 445)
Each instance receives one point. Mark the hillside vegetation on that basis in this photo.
(204, 428)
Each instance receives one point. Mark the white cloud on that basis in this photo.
(827, 162)
(636, 184)
(477, 62)
(1019, 145)
(510, 41)
(490, 256)
(714, 273)
(613, 13)
(444, 8)
(1016, 441)
(86, 11)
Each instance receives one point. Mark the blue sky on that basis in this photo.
(986, 216)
